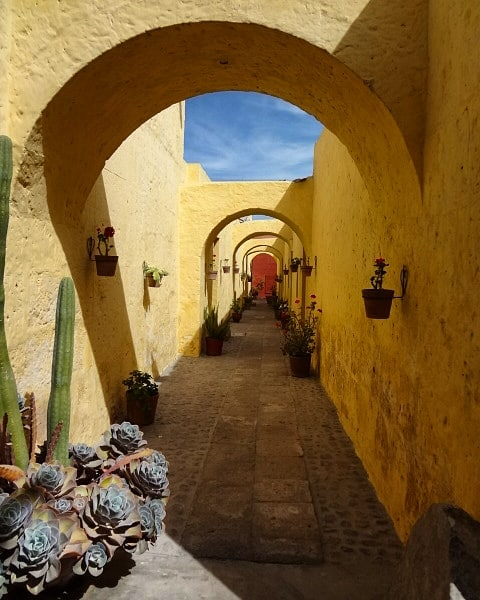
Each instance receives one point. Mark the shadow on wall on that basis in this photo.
(390, 48)
(101, 299)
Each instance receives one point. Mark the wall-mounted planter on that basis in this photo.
(377, 303)
(286, 271)
(226, 268)
(307, 270)
(106, 265)
(236, 269)
(212, 274)
(151, 282)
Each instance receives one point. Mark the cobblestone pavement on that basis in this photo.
(269, 500)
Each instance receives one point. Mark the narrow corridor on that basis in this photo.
(261, 472)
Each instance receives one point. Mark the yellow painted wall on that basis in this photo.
(121, 324)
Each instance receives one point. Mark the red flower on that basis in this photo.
(109, 232)
(319, 310)
(379, 261)
(312, 296)
(297, 300)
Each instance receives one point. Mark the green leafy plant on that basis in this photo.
(299, 333)
(155, 272)
(140, 384)
(214, 328)
(236, 305)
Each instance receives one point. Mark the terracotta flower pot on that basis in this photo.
(307, 270)
(377, 303)
(212, 274)
(106, 265)
(152, 283)
(236, 317)
(300, 365)
(213, 346)
(226, 268)
(141, 410)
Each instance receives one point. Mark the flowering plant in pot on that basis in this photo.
(377, 300)
(142, 397)
(105, 263)
(299, 337)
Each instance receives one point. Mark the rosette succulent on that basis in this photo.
(85, 459)
(122, 439)
(93, 561)
(36, 560)
(148, 478)
(152, 514)
(52, 479)
(111, 515)
(74, 519)
(15, 511)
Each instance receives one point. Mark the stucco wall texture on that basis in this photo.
(396, 173)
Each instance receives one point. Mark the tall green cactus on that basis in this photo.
(62, 363)
(8, 386)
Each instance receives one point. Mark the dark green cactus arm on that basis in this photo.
(59, 402)
(8, 387)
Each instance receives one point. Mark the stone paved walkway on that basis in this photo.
(269, 500)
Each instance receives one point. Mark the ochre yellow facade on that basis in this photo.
(92, 96)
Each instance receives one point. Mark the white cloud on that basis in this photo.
(247, 136)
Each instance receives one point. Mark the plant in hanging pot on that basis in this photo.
(142, 397)
(153, 275)
(299, 338)
(236, 308)
(236, 268)
(212, 269)
(226, 266)
(307, 268)
(377, 300)
(215, 331)
(294, 264)
(106, 264)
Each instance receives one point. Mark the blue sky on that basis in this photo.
(248, 136)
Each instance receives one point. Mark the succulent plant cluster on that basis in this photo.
(62, 520)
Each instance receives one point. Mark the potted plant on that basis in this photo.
(377, 300)
(294, 264)
(142, 397)
(307, 268)
(153, 275)
(236, 307)
(236, 268)
(226, 266)
(286, 271)
(215, 331)
(212, 270)
(299, 338)
(106, 264)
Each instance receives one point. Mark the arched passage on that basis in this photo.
(127, 85)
